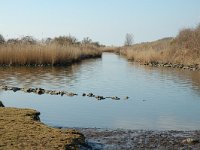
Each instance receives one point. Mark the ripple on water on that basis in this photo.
(160, 98)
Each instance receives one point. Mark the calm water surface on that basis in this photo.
(160, 98)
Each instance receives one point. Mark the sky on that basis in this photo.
(106, 21)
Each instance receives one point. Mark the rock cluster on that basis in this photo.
(194, 67)
(41, 91)
(190, 141)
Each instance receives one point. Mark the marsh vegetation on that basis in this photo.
(59, 51)
(183, 49)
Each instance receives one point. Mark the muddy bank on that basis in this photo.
(22, 129)
(102, 139)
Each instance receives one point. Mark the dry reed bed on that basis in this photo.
(111, 49)
(43, 55)
(183, 49)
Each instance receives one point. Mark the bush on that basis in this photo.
(65, 40)
(2, 40)
(1, 104)
(13, 41)
(28, 40)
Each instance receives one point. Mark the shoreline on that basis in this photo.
(65, 64)
(191, 67)
(194, 67)
(118, 139)
(22, 129)
(171, 65)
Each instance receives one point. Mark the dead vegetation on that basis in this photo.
(111, 49)
(183, 49)
(59, 51)
(21, 129)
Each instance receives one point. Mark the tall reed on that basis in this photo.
(183, 49)
(44, 54)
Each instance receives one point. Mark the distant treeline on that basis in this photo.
(61, 40)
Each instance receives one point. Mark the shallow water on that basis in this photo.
(160, 98)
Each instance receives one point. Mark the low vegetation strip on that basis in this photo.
(183, 50)
(21, 129)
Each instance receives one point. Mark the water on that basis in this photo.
(160, 98)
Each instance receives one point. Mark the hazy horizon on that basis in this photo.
(103, 21)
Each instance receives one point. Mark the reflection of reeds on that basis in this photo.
(184, 49)
(50, 54)
(51, 77)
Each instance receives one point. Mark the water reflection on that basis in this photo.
(184, 78)
(160, 98)
(47, 77)
(64, 77)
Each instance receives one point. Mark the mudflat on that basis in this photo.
(121, 139)
(22, 129)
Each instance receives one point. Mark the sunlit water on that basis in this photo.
(160, 98)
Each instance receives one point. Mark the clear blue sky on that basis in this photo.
(106, 21)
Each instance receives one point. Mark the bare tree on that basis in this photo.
(13, 41)
(86, 40)
(28, 40)
(2, 40)
(48, 40)
(128, 39)
(65, 40)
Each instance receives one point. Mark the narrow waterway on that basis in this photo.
(160, 98)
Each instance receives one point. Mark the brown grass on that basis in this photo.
(44, 54)
(184, 49)
(21, 129)
(111, 49)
